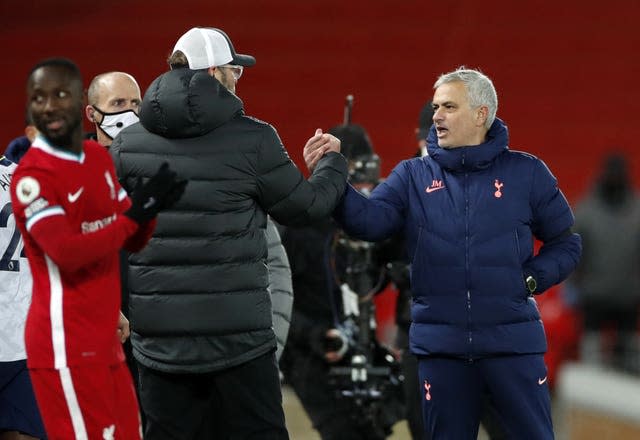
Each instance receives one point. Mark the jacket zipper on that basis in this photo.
(466, 260)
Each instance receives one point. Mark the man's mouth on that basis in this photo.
(55, 124)
(442, 131)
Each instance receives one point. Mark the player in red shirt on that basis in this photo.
(74, 218)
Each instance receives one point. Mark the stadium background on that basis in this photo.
(566, 71)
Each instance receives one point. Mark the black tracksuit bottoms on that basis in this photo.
(239, 403)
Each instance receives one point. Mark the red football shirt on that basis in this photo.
(69, 209)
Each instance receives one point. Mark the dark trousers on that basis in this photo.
(411, 386)
(238, 403)
(454, 392)
(489, 418)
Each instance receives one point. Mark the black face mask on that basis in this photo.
(113, 123)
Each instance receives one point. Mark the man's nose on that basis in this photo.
(49, 104)
(437, 115)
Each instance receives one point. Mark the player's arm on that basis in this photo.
(141, 237)
(43, 218)
(172, 190)
(71, 250)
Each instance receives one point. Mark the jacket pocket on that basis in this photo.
(523, 284)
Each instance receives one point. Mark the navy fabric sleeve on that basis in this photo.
(380, 216)
(17, 148)
(552, 222)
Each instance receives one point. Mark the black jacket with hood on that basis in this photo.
(198, 291)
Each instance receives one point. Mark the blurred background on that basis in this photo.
(566, 74)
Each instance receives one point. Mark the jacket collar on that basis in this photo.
(186, 103)
(473, 157)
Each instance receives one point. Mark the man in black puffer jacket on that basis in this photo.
(200, 309)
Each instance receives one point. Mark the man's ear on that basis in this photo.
(483, 114)
(90, 112)
(30, 131)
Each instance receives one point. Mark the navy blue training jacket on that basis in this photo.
(470, 215)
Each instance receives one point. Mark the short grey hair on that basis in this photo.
(479, 88)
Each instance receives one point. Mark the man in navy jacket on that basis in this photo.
(470, 211)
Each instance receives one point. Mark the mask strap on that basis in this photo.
(113, 113)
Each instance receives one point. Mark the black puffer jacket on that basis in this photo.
(198, 291)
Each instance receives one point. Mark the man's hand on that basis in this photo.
(317, 146)
(160, 191)
(123, 331)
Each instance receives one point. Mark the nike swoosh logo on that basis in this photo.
(430, 190)
(541, 381)
(73, 197)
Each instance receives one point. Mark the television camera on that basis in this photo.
(369, 374)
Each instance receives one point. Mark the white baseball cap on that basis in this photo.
(210, 47)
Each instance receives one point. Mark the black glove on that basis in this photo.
(160, 191)
(174, 194)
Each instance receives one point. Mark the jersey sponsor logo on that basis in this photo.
(88, 227)
(27, 190)
(36, 206)
(72, 197)
(541, 381)
(435, 186)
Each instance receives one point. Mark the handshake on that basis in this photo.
(161, 191)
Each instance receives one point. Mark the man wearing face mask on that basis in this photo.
(114, 100)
